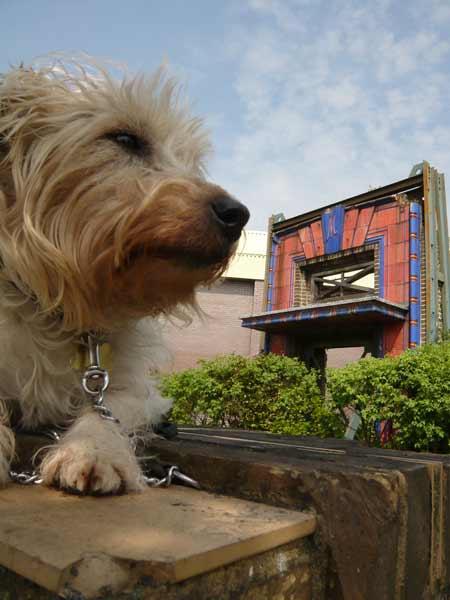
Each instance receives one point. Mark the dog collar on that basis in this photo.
(80, 360)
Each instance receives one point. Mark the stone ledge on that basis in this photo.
(84, 545)
(383, 516)
(280, 574)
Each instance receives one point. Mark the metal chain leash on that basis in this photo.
(33, 477)
(95, 382)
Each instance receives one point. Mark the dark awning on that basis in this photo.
(368, 310)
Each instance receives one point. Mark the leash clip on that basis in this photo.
(173, 472)
(95, 382)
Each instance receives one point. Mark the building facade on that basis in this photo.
(370, 272)
(217, 330)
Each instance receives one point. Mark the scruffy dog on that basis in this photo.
(106, 217)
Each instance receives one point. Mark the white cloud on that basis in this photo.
(336, 97)
(435, 11)
(285, 13)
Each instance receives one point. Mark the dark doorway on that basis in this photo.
(315, 352)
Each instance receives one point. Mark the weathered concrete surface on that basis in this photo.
(65, 542)
(383, 516)
(280, 574)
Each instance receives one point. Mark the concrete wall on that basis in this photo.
(219, 331)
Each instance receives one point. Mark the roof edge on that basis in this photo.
(397, 187)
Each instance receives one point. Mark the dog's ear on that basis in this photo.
(4, 150)
(4, 147)
(21, 100)
(3, 143)
(24, 97)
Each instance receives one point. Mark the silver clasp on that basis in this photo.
(172, 473)
(95, 380)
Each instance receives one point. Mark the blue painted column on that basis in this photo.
(414, 274)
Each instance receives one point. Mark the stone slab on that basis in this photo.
(83, 544)
(383, 516)
(283, 573)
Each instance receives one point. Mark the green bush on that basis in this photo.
(269, 393)
(278, 394)
(413, 390)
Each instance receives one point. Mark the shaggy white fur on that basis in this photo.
(36, 374)
(106, 222)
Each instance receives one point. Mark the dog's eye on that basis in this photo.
(129, 141)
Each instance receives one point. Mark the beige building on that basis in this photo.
(238, 293)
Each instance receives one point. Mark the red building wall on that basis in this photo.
(386, 224)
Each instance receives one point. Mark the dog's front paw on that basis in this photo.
(85, 469)
(6, 451)
(4, 473)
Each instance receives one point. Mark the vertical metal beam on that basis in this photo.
(444, 257)
(264, 340)
(272, 241)
(429, 189)
(268, 261)
(417, 169)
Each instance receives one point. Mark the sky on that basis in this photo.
(308, 101)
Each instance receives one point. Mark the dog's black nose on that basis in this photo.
(230, 214)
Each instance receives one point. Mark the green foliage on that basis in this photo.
(413, 390)
(269, 393)
(278, 394)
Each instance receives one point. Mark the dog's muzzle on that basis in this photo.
(230, 215)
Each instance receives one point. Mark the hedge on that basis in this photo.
(267, 393)
(411, 390)
(279, 394)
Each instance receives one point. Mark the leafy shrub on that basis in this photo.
(270, 393)
(412, 390)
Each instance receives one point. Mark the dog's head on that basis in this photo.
(105, 211)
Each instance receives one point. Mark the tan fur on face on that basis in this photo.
(74, 205)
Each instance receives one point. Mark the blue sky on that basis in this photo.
(308, 101)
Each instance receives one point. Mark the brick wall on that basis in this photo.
(219, 331)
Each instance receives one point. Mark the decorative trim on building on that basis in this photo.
(414, 274)
(333, 228)
(337, 309)
(271, 272)
(379, 239)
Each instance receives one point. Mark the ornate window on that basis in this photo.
(337, 277)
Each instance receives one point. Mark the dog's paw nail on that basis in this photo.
(88, 473)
